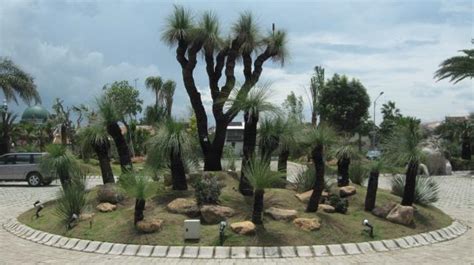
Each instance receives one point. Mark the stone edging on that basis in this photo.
(455, 230)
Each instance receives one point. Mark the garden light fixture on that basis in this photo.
(39, 207)
(370, 229)
(73, 219)
(222, 226)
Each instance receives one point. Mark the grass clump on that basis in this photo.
(426, 189)
(72, 199)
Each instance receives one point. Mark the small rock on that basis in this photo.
(243, 228)
(304, 197)
(106, 207)
(184, 206)
(307, 224)
(326, 208)
(401, 215)
(383, 211)
(149, 226)
(347, 191)
(213, 214)
(281, 214)
(110, 193)
(449, 168)
(86, 216)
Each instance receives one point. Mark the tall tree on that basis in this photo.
(315, 88)
(294, 106)
(391, 115)
(15, 82)
(61, 118)
(81, 110)
(167, 93)
(155, 84)
(6, 127)
(220, 57)
(457, 68)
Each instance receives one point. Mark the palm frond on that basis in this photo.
(246, 30)
(457, 68)
(179, 26)
(277, 45)
(209, 31)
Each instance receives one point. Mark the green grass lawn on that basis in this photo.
(118, 227)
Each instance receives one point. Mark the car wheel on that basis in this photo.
(34, 179)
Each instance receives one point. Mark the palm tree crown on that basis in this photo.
(179, 26)
(15, 82)
(457, 68)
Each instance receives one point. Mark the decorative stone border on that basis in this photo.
(455, 230)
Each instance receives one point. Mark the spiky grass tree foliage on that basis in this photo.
(358, 172)
(260, 177)
(14, 82)
(404, 148)
(72, 198)
(95, 137)
(172, 141)
(287, 141)
(111, 118)
(139, 187)
(318, 140)
(344, 153)
(426, 189)
(59, 162)
(269, 134)
(457, 68)
(371, 196)
(252, 105)
(220, 56)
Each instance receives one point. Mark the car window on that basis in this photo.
(8, 160)
(36, 159)
(23, 159)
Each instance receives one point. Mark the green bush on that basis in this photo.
(461, 164)
(339, 204)
(207, 189)
(72, 199)
(426, 189)
(304, 180)
(357, 172)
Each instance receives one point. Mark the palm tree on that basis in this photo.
(318, 139)
(344, 153)
(111, 118)
(15, 82)
(95, 136)
(255, 103)
(457, 68)
(139, 187)
(166, 94)
(8, 119)
(371, 196)
(260, 177)
(81, 110)
(403, 147)
(154, 83)
(154, 114)
(172, 142)
(59, 162)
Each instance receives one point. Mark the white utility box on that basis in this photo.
(192, 229)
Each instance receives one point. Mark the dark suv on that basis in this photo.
(23, 167)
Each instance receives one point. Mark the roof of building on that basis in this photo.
(35, 114)
(239, 125)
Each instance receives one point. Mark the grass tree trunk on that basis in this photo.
(139, 208)
(122, 148)
(283, 160)
(250, 140)
(102, 152)
(410, 184)
(466, 149)
(343, 171)
(63, 132)
(318, 186)
(372, 190)
(178, 175)
(258, 207)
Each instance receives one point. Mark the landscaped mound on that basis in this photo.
(280, 226)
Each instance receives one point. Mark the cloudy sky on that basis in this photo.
(73, 48)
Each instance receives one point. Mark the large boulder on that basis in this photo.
(281, 214)
(326, 208)
(213, 214)
(304, 197)
(435, 159)
(106, 207)
(307, 224)
(184, 206)
(401, 215)
(243, 228)
(347, 191)
(149, 226)
(383, 211)
(110, 193)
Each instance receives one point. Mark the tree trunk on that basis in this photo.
(318, 185)
(257, 207)
(63, 131)
(102, 151)
(122, 148)
(466, 149)
(410, 184)
(139, 208)
(359, 141)
(5, 144)
(178, 176)
(314, 116)
(283, 160)
(64, 177)
(372, 191)
(250, 140)
(343, 171)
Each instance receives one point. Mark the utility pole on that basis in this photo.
(373, 134)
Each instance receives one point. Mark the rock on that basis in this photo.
(243, 228)
(304, 197)
(449, 168)
(383, 211)
(424, 170)
(307, 224)
(213, 214)
(326, 208)
(110, 193)
(106, 207)
(347, 191)
(401, 215)
(150, 226)
(86, 216)
(281, 214)
(184, 206)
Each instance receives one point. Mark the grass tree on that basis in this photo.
(269, 134)
(371, 196)
(260, 177)
(220, 56)
(252, 105)
(318, 139)
(172, 142)
(344, 153)
(404, 148)
(167, 93)
(139, 187)
(72, 198)
(59, 162)
(15, 82)
(287, 141)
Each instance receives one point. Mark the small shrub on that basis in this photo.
(72, 199)
(207, 190)
(426, 189)
(230, 157)
(357, 172)
(339, 204)
(304, 180)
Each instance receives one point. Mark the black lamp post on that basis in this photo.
(373, 134)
